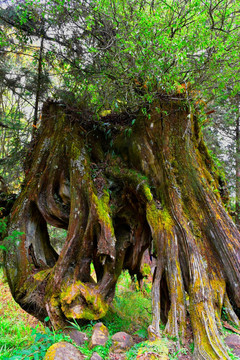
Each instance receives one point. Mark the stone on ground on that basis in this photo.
(63, 351)
(99, 335)
(78, 337)
(96, 356)
(121, 342)
(233, 341)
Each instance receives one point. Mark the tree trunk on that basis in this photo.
(38, 89)
(151, 186)
(238, 162)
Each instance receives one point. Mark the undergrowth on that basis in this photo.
(131, 308)
(23, 337)
(41, 341)
(15, 325)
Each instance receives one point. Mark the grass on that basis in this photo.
(21, 335)
(131, 308)
(15, 325)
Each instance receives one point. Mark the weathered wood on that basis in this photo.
(152, 187)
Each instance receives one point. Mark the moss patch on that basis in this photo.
(81, 301)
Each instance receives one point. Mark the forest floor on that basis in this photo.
(23, 337)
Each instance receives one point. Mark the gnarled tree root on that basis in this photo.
(153, 190)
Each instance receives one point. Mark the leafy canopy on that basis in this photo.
(117, 54)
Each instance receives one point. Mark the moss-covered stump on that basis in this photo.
(118, 192)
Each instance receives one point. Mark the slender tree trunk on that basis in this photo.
(39, 83)
(238, 165)
(155, 187)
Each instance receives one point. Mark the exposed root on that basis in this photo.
(154, 190)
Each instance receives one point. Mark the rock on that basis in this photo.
(78, 337)
(96, 356)
(63, 351)
(121, 342)
(233, 341)
(99, 336)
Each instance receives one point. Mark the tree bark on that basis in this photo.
(154, 186)
(238, 163)
(39, 80)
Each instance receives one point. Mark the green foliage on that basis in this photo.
(103, 351)
(224, 314)
(158, 347)
(146, 270)
(3, 229)
(13, 335)
(12, 239)
(42, 341)
(142, 333)
(84, 349)
(131, 354)
(120, 54)
(177, 353)
(8, 242)
(3, 225)
(131, 310)
(191, 347)
(232, 356)
(88, 328)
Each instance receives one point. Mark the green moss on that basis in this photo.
(158, 219)
(41, 275)
(135, 180)
(82, 301)
(103, 209)
(147, 192)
